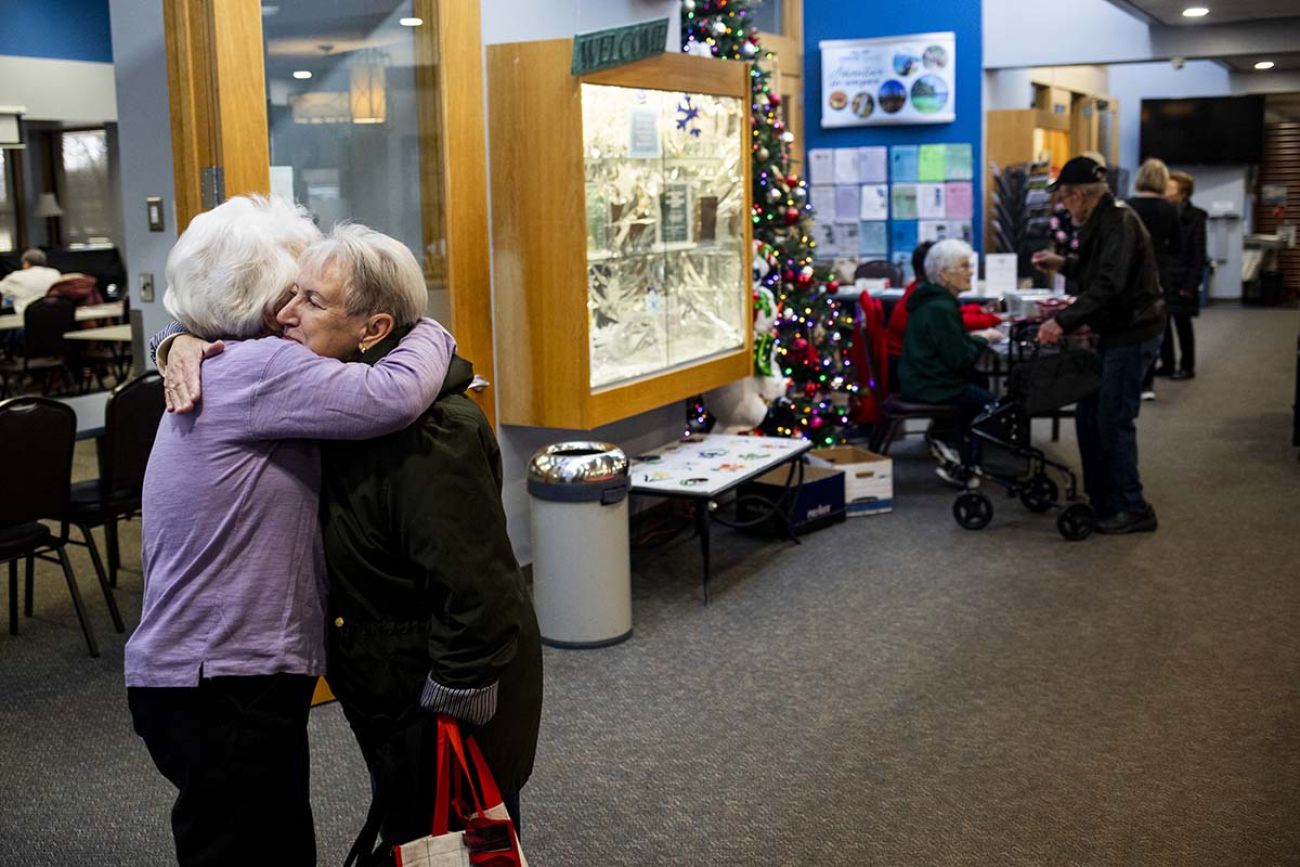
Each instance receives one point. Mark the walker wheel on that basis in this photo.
(973, 511)
(1077, 522)
(1039, 493)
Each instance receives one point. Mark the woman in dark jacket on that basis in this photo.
(938, 361)
(1183, 297)
(1163, 225)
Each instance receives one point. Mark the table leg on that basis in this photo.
(702, 529)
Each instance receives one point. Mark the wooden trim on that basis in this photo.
(463, 167)
(673, 72)
(242, 135)
(14, 164)
(217, 96)
(538, 214)
(792, 20)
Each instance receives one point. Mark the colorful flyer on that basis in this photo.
(932, 162)
(873, 165)
(903, 163)
(848, 202)
(930, 202)
(902, 200)
(846, 165)
(960, 162)
(875, 202)
(821, 166)
(822, 197)
(873, 239)
(958, 196)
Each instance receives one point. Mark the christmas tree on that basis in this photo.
(810, 342)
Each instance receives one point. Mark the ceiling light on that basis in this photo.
(410, 22)
(301, 74)
(1195, 12)
(1265, 64)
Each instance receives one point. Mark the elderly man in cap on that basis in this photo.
(1119, 298)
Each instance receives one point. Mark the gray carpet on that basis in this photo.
(895, 691)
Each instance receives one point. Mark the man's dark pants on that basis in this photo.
(1182, 324)
(1107, 432)
(236, 748)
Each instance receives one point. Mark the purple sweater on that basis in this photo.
(233, 565)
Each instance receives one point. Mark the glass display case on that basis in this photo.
(657, 155)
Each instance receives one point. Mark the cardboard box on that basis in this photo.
(868, 478)
(818, 502)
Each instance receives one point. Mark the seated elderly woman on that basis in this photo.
(938, 361)
(221, 669)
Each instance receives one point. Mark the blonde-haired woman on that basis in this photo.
(1162, 222)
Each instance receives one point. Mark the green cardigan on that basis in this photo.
(423, 579)
(937, 351)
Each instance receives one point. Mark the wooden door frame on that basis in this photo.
(217, 86)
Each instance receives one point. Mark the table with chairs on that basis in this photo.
(57, 346)
(44, 432)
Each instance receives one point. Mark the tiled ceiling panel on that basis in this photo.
(1221, 11)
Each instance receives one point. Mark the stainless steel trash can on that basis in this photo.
(582, 583)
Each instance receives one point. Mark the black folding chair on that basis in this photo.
(45, 321)
(130, 423)
(41, 435)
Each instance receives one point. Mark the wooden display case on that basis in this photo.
(621, 232)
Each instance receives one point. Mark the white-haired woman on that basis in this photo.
(939, 356)
(419, 622)
(221, 669)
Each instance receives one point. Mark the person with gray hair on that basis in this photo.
(221, 670)
(428, 611)
(939, 356)
(30, 282)
(1119, 298)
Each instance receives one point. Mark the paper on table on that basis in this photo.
(958, 197)
(847, 202)
(873, 165)
(822, 197)
(902, 199)
(902, 163)
(820, 166)
(846, 165)
(932, 162)
(873, 239)
(1000, 273)
(902, 236)
(930, 202)
(960, 163)
(875, 202)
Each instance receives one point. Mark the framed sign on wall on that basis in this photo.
(891, 80)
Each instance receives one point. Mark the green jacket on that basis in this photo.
(423, 579)
(937, 352)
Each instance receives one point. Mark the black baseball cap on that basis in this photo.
(1080, 170)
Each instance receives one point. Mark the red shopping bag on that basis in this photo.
(466, 790)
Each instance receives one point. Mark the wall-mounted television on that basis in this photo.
(1220, 130)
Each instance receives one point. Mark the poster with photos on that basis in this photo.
(890, 80)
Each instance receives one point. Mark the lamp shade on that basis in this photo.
(48, 206)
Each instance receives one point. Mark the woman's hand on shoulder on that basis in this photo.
(181, 382)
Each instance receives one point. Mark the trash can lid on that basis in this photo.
(583, 462)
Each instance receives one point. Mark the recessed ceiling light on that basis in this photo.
(1265, 64)
(410, 22)
(302, 73)
(1195, 12)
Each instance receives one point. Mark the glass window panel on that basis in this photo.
(86, 196)
(353, 121)
(665, 230)
(767, 16)
(8, 222)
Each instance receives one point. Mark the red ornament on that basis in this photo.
(810, 389)
(804, 281)
(833, 287)
(792, 180)
(787, 276)
(792, 215)
(774, 98)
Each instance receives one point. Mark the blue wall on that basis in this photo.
(57, 29)
(835, 19)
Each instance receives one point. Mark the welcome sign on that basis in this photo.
(892, 80)
(602, 49)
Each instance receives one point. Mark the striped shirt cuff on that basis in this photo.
(474, 706)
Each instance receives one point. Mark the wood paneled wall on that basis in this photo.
(1282, 166)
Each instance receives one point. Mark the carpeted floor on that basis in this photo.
(895, 691)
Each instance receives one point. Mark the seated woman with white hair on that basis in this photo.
(221, 670)
(939, 356)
